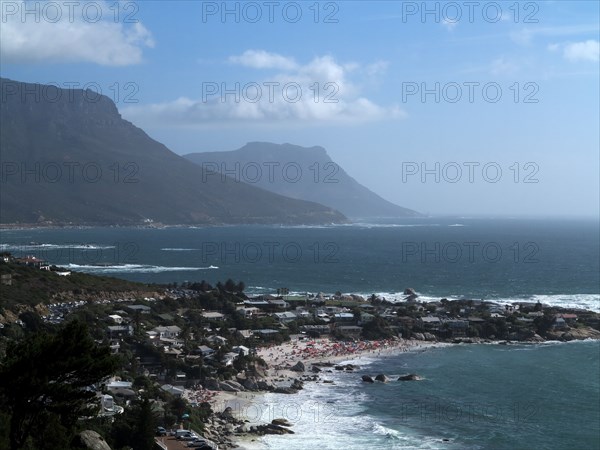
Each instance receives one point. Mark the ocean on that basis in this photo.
(553, 261)
(543, 396)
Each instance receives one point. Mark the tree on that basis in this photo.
(48, 375)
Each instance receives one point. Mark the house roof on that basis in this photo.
(167, 329)
(212, 315)
(430, 319)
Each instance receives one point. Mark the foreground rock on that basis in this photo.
(91, 440)
(381, 377)
(367, 379)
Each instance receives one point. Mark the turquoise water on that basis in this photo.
(472, 397)
(554, 261)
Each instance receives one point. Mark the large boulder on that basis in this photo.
(281, 422)
(264, 385)
(298, 367)
(257, 370)
(367, 379)
(230, 386)
(91, 440)
(381, 377)
(212, 384)
(429, 337)
(410, 377)
(250, 384)
(418, 336)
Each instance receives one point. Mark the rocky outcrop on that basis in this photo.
(573, 334)
(281, 422)
(367, 379)
(410, 377)
(91, 440)
(347, 367)
(381, 377)
(298, 367)
(212, 384)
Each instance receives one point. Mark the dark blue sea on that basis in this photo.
(544, 396)
(554, 261)
(521, 397)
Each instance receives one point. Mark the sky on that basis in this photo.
(449, 108)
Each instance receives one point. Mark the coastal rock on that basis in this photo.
(297, 385)
(410, 377)
(212, 384)
(411, 294)
(91, 440)
(298, 367)
(367, 379)
(574, 333)
(315, 369)
(244, 428)
(257, 370)
(429, 337)
(274, 429)
(348, 367)
(231, 386)
(536, 338)
(284, 390)
(281, 422)
(381, 377)
(418, 336)
(264, 385)
(250, 384)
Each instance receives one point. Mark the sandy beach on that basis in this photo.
(247, 405)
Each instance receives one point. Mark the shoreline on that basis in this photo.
(249, 407)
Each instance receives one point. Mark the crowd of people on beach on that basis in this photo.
(197, 395)
(284, 356)
(281, 356)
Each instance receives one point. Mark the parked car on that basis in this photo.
(188, 437)
(180, 433)
(160, 431)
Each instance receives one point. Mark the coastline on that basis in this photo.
(320, 357)
(263, 407)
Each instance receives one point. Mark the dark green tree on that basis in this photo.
(49, 375)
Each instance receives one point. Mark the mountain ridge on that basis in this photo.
(69, 158)
(306, 173)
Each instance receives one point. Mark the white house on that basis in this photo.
(169, 332)
(116, 318)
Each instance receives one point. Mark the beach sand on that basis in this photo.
(281, 358)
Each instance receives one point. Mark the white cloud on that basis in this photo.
(578, 51)
(525, 36)
(319, 92)
(260, 59)
(582, 51)
(502, 66)
(61, 35)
